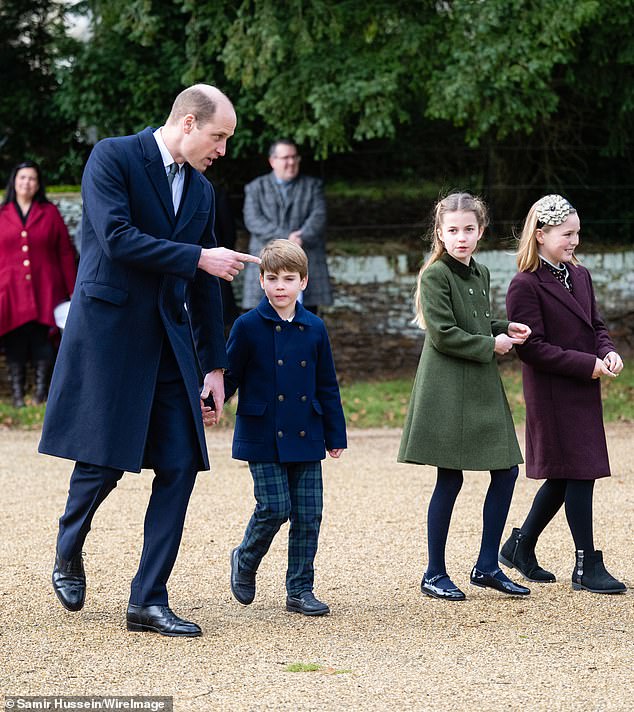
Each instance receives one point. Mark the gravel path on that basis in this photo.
(384, 647)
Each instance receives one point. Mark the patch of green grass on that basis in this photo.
(302, 667)
(314, 667)
(376, 404)
(28, 418)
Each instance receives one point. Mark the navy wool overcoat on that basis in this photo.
(137, 284)
(565, 437)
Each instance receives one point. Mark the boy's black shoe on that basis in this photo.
(242, 582)
(307, 604)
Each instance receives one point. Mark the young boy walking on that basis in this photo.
(289, 413)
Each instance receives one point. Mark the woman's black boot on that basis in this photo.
(17, 377)
(42, 371)
(518, 553)
(591, 575)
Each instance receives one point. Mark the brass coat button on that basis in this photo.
(304, 399)
(301, 328)
(280, 397)
(302, 364)
(280, 362)
(302, 433)
(278, 328)
(280, 433)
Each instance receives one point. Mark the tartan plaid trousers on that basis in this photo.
(284, 491)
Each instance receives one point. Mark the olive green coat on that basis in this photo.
(458, 415)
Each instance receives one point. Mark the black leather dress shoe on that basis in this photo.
(449, 593)
(307, 604)
(160, 619)
(69, 581)
(498, 581)
(242, 582)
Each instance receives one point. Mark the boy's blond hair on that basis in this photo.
(283, 256)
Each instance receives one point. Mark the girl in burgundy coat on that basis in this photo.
(563, 361)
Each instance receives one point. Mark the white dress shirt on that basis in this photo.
(179, 178)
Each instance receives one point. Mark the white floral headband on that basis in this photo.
(553, 209)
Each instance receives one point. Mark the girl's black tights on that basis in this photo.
(496, 507)
(576, 495)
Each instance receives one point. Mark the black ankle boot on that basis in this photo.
(590, 574)
(42, 369)
(17, 377)
(518, 553)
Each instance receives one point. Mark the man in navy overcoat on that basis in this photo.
(143, 343)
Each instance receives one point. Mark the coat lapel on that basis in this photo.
(559, 292)
(12, 215)
(155, 170)
(275, 193)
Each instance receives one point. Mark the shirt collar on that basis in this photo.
(165, 154)
(562, 268)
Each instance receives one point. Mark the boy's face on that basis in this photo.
(283, 288)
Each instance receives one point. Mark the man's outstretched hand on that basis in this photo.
(224, 263)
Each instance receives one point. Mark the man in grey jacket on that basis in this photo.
(286, 205)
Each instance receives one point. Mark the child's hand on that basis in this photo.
(504, 343)
(209, 415)
(614, 362)
(519, 331)
(601, 369)
(336, 453)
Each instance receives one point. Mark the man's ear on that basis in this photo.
(189, 121)
(303, 282)
(262, 281)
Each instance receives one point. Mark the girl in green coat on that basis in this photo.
(458, 415)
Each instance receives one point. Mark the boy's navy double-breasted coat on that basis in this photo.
(137, 284)
(289, 405)
(565, 437)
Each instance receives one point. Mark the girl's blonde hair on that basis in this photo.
(452, 203)
(527, 249)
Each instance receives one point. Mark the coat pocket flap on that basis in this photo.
(250, 408)
(317, 406)
(105, 292)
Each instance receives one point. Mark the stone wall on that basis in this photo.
(370, 321)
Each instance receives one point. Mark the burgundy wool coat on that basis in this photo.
(37, 265)
(565, 438)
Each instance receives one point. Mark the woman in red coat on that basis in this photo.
(563, 360)
(37, 272)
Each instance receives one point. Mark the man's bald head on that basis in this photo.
(201, 101)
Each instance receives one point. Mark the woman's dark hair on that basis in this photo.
(9, 193)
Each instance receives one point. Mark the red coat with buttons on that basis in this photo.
(37, 265)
